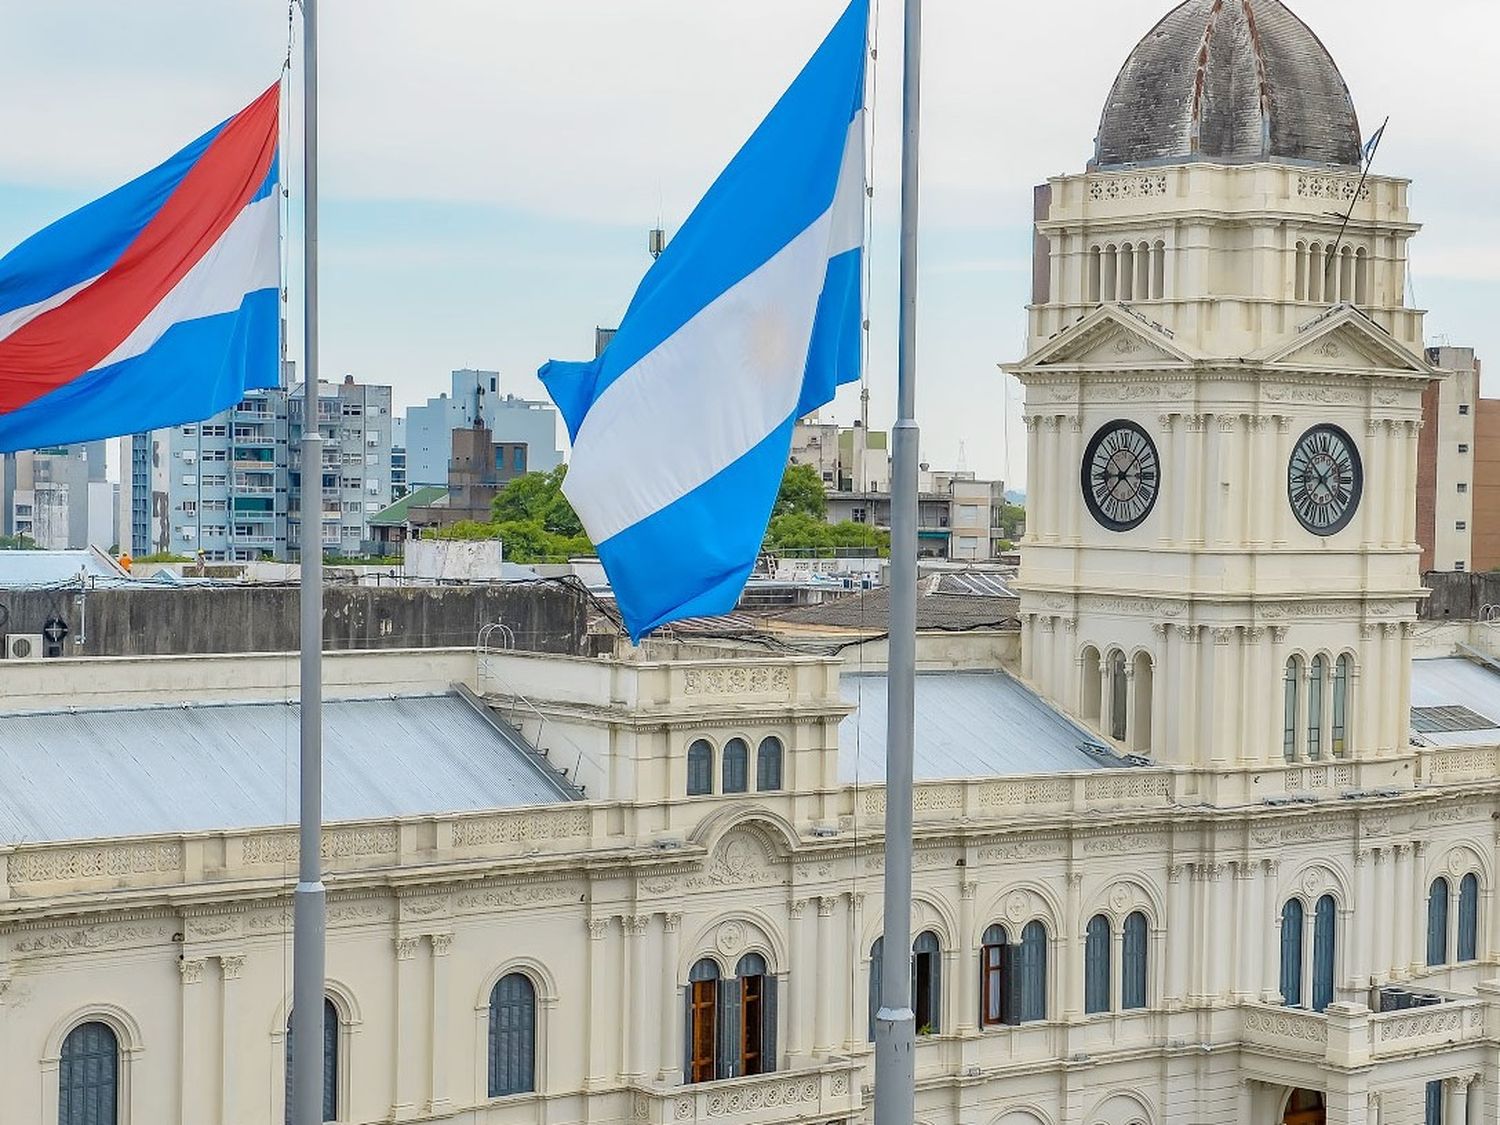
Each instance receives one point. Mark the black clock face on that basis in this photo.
(1325, 480)
(1121, 476)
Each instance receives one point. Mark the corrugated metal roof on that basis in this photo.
(969, 724)
(1455, 682)
(88, 774)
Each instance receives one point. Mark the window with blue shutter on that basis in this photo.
(1289, 711)
(736, 766)
(927, 983)
(1341, 707)
(88, 1076)
(875, 972)
(768, 765)
(330, 1063)
(994, 974)
(700, 769)
(1032, 978)
(702, 1022)
(1437, 922)
(1325, 922)
(756, 1049)
(512, 1064)
(1315, 708)
(1468, 918)
(1291, 953)
(1135, 955)
(727, 1064)
(1096, 966)
(1434, 1114)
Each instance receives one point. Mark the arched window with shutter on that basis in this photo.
(702, 1024)
(1136, 952)
(757, 1015)
(994, 965)
(88, 1076)
(700, 769)
(1289, 709)
(1159, 270)
(512, 1045)
(1118, 696)
(330, 1063)
(1315, 708)
(736, 766)
(927, 983)
(1093, 278)
(1437, 922)
(1032, 978)
(1325, 923)
(1291, 953)
(1341, 706)
(1468, 918)
(768, 765)
(1096, 965)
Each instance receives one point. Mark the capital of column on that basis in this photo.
(406, 948)
(825, 905)
(798, 906)
(1161, 629)
(673, 921)
(1166, 421)
(231, 965)
(1278, 634)
(1223, 636)
(857, 900)
(1075, 878)
(598, 928)
(191, 969)
(441, 944)
(1196, 423)
(967, 889)
(635, 925)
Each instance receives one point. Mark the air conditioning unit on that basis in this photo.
(24, 646)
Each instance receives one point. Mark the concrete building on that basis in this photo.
(231, 487)
(958, 516)
(847, 458)
(1446, 453)
(399, 487)
(1485, 540)
(512, 421)
(60, 497)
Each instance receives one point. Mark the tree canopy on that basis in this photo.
(533, 519)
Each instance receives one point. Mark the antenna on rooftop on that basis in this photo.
(656, 241)
(963, 458)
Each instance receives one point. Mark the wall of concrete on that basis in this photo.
(147, 622)
(1458, 596)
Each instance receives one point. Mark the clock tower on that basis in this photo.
(1223, 394)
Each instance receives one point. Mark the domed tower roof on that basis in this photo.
(1229, 81)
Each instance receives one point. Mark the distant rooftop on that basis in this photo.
(70, 775)
(396, 514)
(969, 724)
(55, 568)
(1443, 690)
(960, 600)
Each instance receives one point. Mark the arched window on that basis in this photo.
(994, 991)
(703, 1022)
(1031, 981)
(1361, 277)
(1437, 922)
(1143, 271)
(768, 765)
(1093, 281)
(736, 766)
(1090, 684)
(1301, 282)
(1291, 953)
(1341, 707)
(700, 779)
(1468, 918)
(1325, 921)
(1108, 273)
(876, 973)
(1118, 695)
(1289, 711)
(927, 983)
(1141, 742)
(1133, 962)
(1315, 708)
(1127, 272)
(754, 1039)
(1096, 965)
(88, 1077)
(330, 1063)
(1316, 267)
(1346, 278)
(512, 1036)
(1159, 271)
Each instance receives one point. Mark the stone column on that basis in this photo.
(1280, 510)
(1244, 887)
(1261, 469)
(854, 1030)
(1392, 691)
(1033, 472)
(1417, 918)
(1071, 459)
(827, 965)
(1197, 470)
(1171, 517)
(1222, 699)
(1132, 720)
(195, 1043)
(1059, 472)
(1368, 704)
(1382, 874)
(439, 1045)
(600, 1004)
(1407, 632)
(1401, 875)
(1220, 911)
(1028, 646)
(968, 960)
(231, 967)
(1163, 698)
(1270, 950)
(669, 1050)
(1181, 940)
(407, 1041)
(639, 995)
(1456, 1095)
(1072, 952)
(1363, 967)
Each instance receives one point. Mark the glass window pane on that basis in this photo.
(1437, 922)
(1315, 709)
(736, 766)
(1135, 954)
(1291, 953)
(1289, 722)
(1468, 918)
(89, 1076)
(1033, 973)
(1324, 927)
(700, 780)
(1341, 707)
(768, 765)
(1096, 966)
(512, 1037)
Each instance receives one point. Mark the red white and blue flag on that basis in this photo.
(156, 305)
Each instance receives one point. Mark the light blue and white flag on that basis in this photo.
(749, 320)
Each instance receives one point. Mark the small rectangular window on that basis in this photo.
(1462, 447)
(1462, 488)
(1461, 525)
(1464, 409)
(1459, 566)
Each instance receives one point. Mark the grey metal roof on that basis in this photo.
(870, 610)
(89, 774)
(1456, 682)
(23, 569)
(1232, 81)
(969, 724)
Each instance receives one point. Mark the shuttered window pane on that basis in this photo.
(1468, 919)
(1096, 966)
(1289, 716)
(700, 780)
(1291, 953)
(512, 1037)
(1315, 708)
(875, 971)
(1033, 974)
(768, 766)
(736, 766)
(1135, 954)
(89, 1077)
(330, 1063)
(927, 986)
(1434, 1108)
(1324, 926)
(1437, 922)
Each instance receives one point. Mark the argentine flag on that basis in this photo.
(749, 320)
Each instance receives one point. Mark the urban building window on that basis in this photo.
(215, 431)
(1289, 710)
(1434, 1107)
(1468, 918)
(736, 766)
(1460, 566)
(1291, 953)
(756, 1045)
(1315, 708)
(1013, 978)
(512, 1047)
(994, 960)
(768, 765)
(1463, 447)
(731, 1024)
(1118, 694)
(1134, 957)
(1463, 408)
(520, 459)
(1463, 486)
(1437, 922)
(1325, 923)
(700, 771)
(1096, 955)
(1461, 525)
(88, 1083)
(926, 982)
(702, 1021)
(330, 1063)
(1341, 707)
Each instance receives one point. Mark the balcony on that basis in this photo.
(825, 1094)
(1350, 1035)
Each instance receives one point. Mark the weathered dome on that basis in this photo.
(1230, 81)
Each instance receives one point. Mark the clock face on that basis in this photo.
(1325, 480)
(1121, 476)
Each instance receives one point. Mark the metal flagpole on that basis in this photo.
(309, 917)
(895, 1023)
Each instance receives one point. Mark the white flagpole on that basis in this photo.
(309, 908)
(895, 1023)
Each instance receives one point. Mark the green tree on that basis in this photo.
(801, 493)
(798, 531)
(538, 498)
(16, 543)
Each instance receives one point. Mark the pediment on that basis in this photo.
(1109, 337)
(1346, 340)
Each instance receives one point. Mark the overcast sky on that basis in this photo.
(491, 167)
